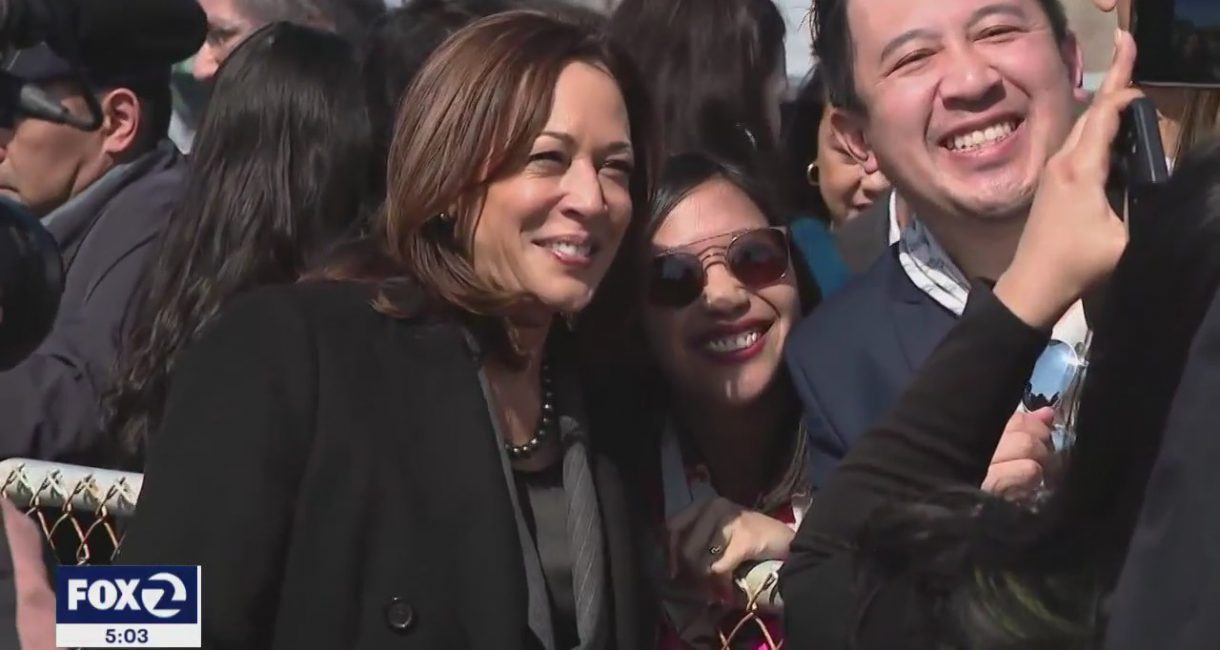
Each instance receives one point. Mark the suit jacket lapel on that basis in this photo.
(919, 322)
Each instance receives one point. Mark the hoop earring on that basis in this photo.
(812, 176)
(569, 319)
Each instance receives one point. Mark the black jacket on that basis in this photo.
(107, 235)
(336, 474)
(1169, 592)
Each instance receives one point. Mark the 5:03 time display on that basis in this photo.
(128, 635)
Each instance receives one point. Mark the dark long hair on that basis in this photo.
(396, 48)
(277, 174)
(1002, 575)
(800, 141)
(707, 62)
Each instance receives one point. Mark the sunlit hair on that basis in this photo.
(470, 118)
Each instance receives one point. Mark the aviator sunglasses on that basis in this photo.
(756, 257)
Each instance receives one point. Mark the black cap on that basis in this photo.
(40, 64)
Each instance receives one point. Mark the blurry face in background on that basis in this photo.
(725, 348)
(846, 187)
(43, 164)
(965, 100)
(228, 26)
(551, 229)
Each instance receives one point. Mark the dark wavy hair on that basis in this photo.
(707, 63)
(396, 48)
(1002, 575)
(800, 141)
(277, 175)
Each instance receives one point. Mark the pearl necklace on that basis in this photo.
(546, 421)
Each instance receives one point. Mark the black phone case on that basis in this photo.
(1138, 164)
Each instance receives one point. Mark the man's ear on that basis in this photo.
(1073, 58)
(847, 128)
(121, 120)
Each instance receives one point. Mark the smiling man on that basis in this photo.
(960, 103)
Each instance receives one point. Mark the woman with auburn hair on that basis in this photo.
(404, 460)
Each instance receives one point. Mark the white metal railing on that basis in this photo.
(80, 509)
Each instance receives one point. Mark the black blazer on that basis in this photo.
(1169, 591)
(336, 474)
(854, 356)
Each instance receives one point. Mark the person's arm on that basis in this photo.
(942, 432)
(224, 465)
(51, 401)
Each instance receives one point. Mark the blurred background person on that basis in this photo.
(395, 50)
(277, 178)
(717, 69)
(465, 503)
(104, 195)
(831, 190)
(836, 188)
(231, 21)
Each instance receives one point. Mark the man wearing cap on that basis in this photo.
(103, 194)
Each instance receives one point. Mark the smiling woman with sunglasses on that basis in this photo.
(722, 458)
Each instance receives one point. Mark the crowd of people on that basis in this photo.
(508, 324)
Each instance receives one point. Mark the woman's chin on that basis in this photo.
(566, 302)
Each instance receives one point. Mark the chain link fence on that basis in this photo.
(758, 627)
(80, 510)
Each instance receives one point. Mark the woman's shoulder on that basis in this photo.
(335, 314)
(318, 306)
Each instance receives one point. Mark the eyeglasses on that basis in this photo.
(757, 258)
(1058, 374)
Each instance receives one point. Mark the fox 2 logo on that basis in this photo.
(145, 595)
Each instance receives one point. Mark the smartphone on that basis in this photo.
(1178, 42)
(1138, 164)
